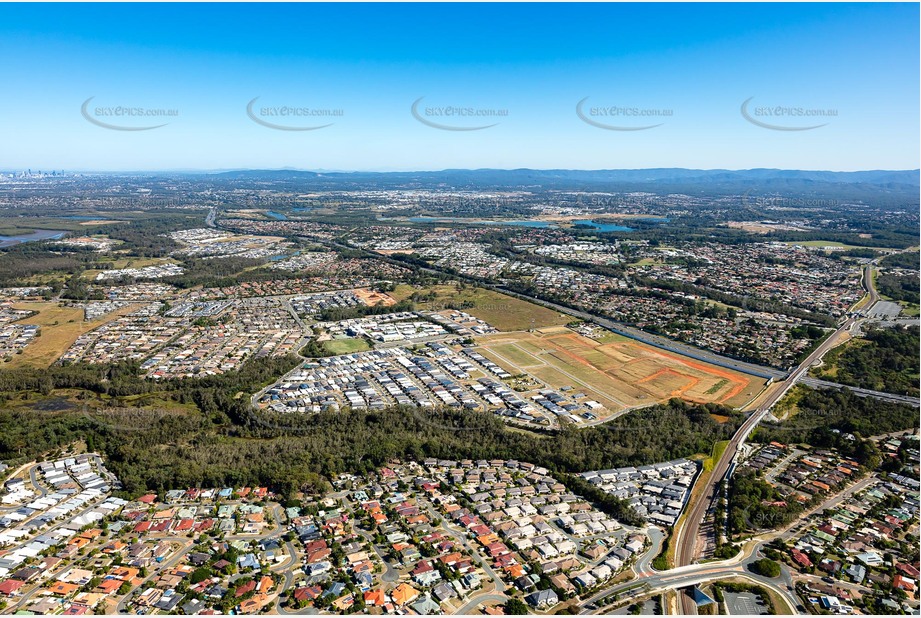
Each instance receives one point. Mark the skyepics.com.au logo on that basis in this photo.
(771, 517)
(803, 423)
(290, 117)
(779, 117)
(613, 117)
(455, 117)
(750, 199)
(125, 117)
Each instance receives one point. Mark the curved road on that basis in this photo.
(660, 581)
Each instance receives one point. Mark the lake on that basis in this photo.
(9, 241)
(277, 215)
(282, 256)
(603, 227)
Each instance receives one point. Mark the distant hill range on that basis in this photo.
(899, 184)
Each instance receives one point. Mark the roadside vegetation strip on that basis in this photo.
(669, 550)
(716, 454)
(665, 559)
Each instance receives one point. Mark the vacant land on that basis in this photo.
(374, 298)
(503, 312)
(619, 374)
(346, 346)
(60, 328)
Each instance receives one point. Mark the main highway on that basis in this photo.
(687, 532)
(686, 536)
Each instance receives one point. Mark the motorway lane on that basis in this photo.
(862, 392)
(654, 340)
(738, 565)
(635, 333)
(687, 535)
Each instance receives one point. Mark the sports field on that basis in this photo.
(619, 374)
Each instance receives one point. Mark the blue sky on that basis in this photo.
(691, 64)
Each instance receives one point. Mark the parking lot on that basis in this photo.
(744, 603)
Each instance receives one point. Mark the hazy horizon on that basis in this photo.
(435, 170)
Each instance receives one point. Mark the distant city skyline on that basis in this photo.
(431, 87)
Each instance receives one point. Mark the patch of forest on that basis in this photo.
(908, 260)
(899, 287)
(226, 443)
(885, 360)
(825, 417)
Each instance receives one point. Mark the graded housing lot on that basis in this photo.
(621, 374)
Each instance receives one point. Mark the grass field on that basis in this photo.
(503, 312)
(618, 374)
(346, 346)
(60, 327)
(909, 309)
(609, 337)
